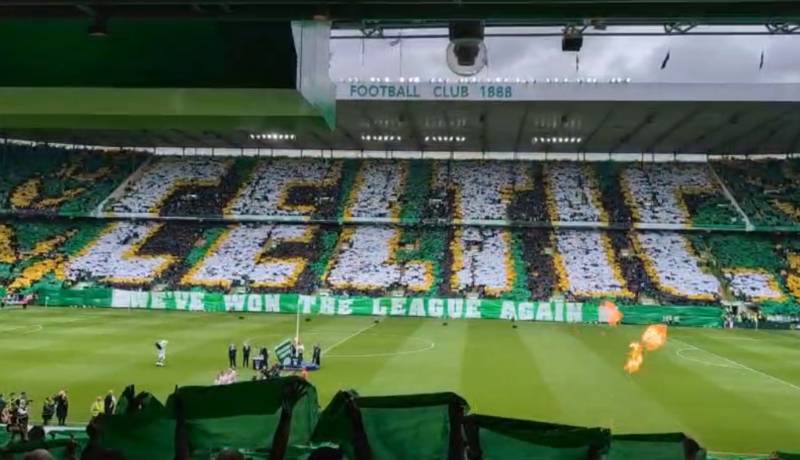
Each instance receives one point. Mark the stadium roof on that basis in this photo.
(501, 117)
(354, 13)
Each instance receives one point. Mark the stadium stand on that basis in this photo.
(766, 190)
(660, 267)
(47, 180)
(127, 184)
(497, 230)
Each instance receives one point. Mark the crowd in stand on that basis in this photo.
(151, 186)
(16, 412)
(574, 192)
(107, 261)
(272, 188)
(236, 261)
(587, 265)
(656, 193)
(479, 190)
(377, 259)
(671, 267)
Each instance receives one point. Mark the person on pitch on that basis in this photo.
(161, 346)
(265, 357)
(300, 350)
(246, 355)
(316, 355)
(232, 355)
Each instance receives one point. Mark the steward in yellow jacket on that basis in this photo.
(97, 407)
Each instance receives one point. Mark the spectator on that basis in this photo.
(38, 454)
(62, 407)
(230, 454)
(48, 410)
(109, 403)
(97, 407)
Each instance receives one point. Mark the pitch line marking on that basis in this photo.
(431, 345)
(358, 332)
(733, 337)
(740, 365)
(36, 328)
(681, 354)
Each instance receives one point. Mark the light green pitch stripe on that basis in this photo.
(696, 400)
(740, 404)
(771, 354)
(391, 373)
(508, 358)
(584, 367)
(563, 373)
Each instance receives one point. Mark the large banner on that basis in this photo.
(429, 307)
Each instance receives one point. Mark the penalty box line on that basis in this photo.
(358, 332)
(738, 364)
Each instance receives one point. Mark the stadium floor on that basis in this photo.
(735, 391)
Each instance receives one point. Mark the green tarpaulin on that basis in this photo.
(503, 438)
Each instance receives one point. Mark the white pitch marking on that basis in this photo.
(36, 328)
(348, 338)
(681, 354)
(733, 337)
(740, 365)
(431, 345)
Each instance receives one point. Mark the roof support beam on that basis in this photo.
(588, 138)
(408, 116)
(733, 119)
(731, 142)
(630, 135)
(484, 131)
(672, 128)
(794, 145)
(759, 141)
(521, 130)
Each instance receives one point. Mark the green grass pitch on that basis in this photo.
(734, 391)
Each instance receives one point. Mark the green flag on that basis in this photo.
(283, 350)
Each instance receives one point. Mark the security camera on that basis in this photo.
(466, 53)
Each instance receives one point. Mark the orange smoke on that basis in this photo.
(653, 338)
(613, 314)
(635, 358)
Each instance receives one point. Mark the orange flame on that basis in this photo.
(613, 314)
(635, 358)
(653, 338)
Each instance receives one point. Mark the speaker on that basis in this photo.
(572, 42)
